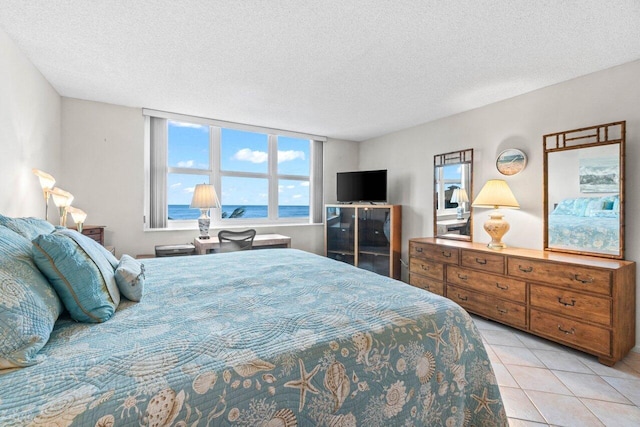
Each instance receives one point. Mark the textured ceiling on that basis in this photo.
(344, 69)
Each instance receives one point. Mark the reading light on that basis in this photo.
(460, 197)
(204, 198)
(78, 216)
(46, 182)
(496, 194)
(62, 200)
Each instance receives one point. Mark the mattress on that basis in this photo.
(275, 337)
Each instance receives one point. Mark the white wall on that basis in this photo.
(603, 97)
(29, 132)
(103, 163)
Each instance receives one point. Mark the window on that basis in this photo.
(260, 175)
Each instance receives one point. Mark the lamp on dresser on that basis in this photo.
(496, 194)
(204, 198)
(78, 216)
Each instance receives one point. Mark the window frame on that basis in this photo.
(215, 172)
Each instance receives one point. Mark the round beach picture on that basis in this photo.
(511, 161)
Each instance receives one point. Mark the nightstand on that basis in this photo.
(96, 232)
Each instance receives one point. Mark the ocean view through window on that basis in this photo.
(261, 175)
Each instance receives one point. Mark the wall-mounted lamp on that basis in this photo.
(46, 182)
(62, 200)
(496, 194)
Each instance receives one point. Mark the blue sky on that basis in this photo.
(241, 151)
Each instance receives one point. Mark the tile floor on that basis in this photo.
(546, 384)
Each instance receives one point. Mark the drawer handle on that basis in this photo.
(446, 254)
(461, 298)
(502, 310)
(419, 250)
(567, 304)
(589, 279)
(525, 270)
(481, 261)
(461, 277)
(499, 286)
(424, 267)
(566, 332)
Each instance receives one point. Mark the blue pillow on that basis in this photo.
(130, 278)
(29, 306)
(81, 274)
(29, 228)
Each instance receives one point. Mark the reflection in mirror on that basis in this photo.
(453, 182)
(584, 191)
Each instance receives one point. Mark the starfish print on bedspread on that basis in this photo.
(483, 402)
(304, 383)
(436, 335)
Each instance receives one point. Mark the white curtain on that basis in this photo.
(317, 195)
(158, 180)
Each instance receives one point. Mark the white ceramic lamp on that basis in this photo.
(78, 216)
(204, 198)
(46, 182)
(460, 197)
(496, 194)
(62, 200)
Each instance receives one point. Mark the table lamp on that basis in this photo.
(62, 200)
(204, 198)
(46, 182)
(460, 197)
(496, 194)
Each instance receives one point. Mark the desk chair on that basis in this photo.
(231, 241)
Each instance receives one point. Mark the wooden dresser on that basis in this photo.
(584, 302)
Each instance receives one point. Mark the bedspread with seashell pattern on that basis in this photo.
(275, 337)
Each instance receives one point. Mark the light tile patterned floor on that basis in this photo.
(546, 384)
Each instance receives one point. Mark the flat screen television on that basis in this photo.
(362, 186)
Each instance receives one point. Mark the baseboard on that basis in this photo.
(636, 349)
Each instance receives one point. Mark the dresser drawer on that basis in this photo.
(500, 286)
(570, 303)
(483, 261)
(435, 286)
(570, 331)
(434, 270)
(435, 252)
(570, 275)
(486, 305)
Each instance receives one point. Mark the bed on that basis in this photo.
(586, 224)
(275, 337)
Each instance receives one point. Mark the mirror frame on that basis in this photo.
(446, 159)
(575, 139)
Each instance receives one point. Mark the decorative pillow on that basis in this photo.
(29, 306)
(565, 207)
(594, 205)
(130, 278)
(81, 274)
(29, 228)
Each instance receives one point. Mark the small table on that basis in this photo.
(264, 241)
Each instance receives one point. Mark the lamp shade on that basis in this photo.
(459, 196)
(78, 215)
(46, 180)
(61, 198)
(496, 194)
(204, 197)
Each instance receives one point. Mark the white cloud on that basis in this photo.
(291, 186)
(176, 185)
(189, 125)
(186, 164)
(189, 189)
(249, 155)
(296, 196)
(304, 184)
(286, 156)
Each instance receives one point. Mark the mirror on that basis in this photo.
(584, 190)
(453, 192)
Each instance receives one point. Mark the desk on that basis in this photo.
(264, 241)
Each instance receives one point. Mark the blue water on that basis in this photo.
(184, 212)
